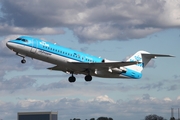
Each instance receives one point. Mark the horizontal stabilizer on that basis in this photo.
(155, 55)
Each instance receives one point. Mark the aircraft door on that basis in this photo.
(34, 46)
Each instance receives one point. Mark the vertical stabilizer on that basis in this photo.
(140, 58)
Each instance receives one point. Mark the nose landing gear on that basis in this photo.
(23, 61)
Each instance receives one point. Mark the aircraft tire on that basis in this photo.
(72, 79)
(88, 78)
(23, 61)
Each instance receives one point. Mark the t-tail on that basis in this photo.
(143, 58)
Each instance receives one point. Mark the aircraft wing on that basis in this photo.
(103, 65)
(79, 66)
(56, 68)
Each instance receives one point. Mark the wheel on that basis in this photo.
(88, 78)
(72, 79)
(23, 61)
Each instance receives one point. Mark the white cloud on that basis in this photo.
(90, 20)
(71, 108)
(103, 98)
(171, 16)
(28, 102)
(178, 98)
(6, 29)
(167, 99)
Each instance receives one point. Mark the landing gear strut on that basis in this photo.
(23, 60)
(88, 77)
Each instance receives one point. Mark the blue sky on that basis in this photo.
(113, 30)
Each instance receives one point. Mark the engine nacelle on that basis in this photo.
(114, 70)
(106, 61)
(117, 70)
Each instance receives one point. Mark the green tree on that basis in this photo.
(153, 117)
(76, 119)
(92, 119)
(110, 119)
(104, 118)
(172, 118)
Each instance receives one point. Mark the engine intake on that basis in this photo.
(106, 61)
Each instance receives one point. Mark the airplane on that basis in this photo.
(75, 62)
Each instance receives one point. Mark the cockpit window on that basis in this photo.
(24, 40)
(18, 39)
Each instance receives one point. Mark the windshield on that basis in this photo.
(24, 40)
(18, 39)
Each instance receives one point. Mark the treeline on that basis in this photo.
(156, 117)
(148, 117)
(100, 118)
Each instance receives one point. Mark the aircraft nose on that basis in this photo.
(9, 45)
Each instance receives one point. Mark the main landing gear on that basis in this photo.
(72, 79)
(87, 78)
